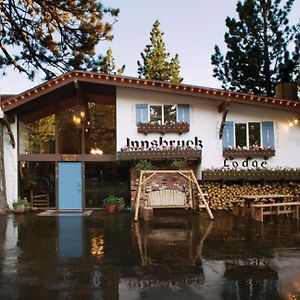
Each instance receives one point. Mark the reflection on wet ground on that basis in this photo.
(174, 257)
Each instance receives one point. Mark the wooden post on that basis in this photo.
(137, 206)
(202, 197)
(191, 194)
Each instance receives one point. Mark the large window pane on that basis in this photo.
(169, 114)
(69, 133)
(156, 114)
(37, 178)
(104, 179)
(37, 134)
(100, 129)
(254, 134)
(240, 135)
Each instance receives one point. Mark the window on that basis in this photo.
(37, 134)
(162, 114)
(248, 134)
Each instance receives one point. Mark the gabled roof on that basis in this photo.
(131, 82)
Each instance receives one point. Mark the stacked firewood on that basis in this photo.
(220, 195)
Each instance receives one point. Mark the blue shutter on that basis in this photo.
(141, 113)
(268, 134)
(183, 113)
(228, 135)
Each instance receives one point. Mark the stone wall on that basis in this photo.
(158, 182)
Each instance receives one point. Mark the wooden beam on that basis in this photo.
(225, 109)
(137, 206)
(222, 124)
(223, 106)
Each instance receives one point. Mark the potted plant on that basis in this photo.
(120, 204)
(110, 203)
(20, 205)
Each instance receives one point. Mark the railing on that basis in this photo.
(188, 154)
(251, 175)
(248, 153)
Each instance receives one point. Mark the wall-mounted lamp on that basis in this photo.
(294, 122)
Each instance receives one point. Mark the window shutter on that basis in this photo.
(267, 128)
(141, 113)
(228, 135)
(183, 113)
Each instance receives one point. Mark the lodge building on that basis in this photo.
(77, 137)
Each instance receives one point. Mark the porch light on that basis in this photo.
(76, 120)
(79, 117)
(294, 122)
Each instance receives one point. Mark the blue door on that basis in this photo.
(69, 185)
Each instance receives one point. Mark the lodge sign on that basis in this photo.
(164, 143)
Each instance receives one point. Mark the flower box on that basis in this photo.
(188, 154)
(251, 175)
(166, 128)
(248, 153)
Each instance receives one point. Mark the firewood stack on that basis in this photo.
(221, 195)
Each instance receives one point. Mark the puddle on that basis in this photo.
(103, 256)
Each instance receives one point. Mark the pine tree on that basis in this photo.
(52, 36)
(108, 66)
(257, 46)
(155, 64)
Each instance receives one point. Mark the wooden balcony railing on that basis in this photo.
(188, 154)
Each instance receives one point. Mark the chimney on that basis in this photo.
(287, 90)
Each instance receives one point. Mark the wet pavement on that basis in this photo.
(176, 256)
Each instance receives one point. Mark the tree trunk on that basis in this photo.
(3, 201)
(267, 63)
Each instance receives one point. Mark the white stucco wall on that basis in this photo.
(11, 164)
(205, 122)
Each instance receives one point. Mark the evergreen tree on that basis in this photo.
(155, 64)
(52, 36)
(108, 66)
(257, 46)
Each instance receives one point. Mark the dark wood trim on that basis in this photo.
(67, 157)
(250, 175)
(249, 153)
(225, 112)
(151, 85)
(158, 128)
(187, 154)
(223, 106)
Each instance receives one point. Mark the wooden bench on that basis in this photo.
(258, 211)
(167, 199)
(39, 201)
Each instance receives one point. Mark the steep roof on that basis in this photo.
(15, 101)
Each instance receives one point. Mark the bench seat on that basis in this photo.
(258, 211)
(167, 199)
(39, 201)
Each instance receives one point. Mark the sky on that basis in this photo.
(191, 28)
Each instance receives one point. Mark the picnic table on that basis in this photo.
(257, 206)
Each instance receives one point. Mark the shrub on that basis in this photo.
(143, 165)
(178, 164)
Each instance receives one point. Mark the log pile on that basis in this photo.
(220, 195)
